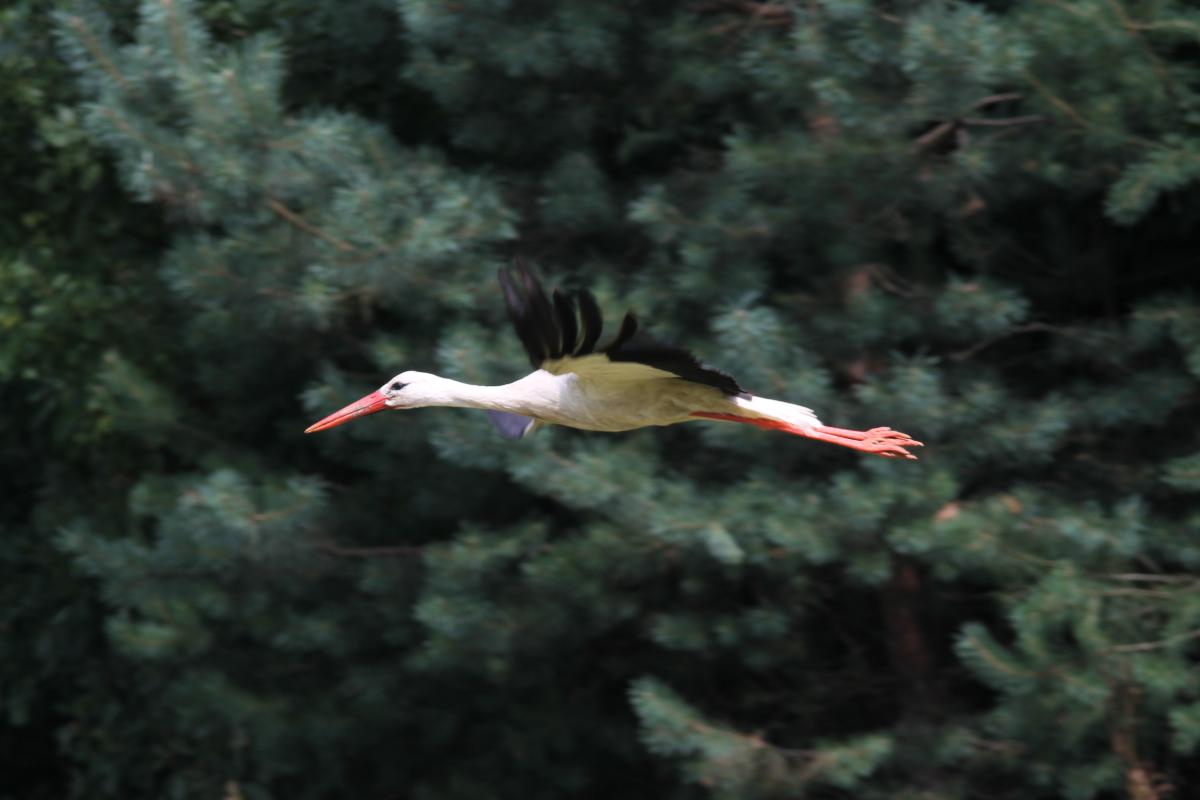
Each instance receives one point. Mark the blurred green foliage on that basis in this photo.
(970, 221)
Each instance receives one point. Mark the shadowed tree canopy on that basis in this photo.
(971, 220)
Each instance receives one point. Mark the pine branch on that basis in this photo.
(993, 99)
(1151, 578)
(295, 219)
(1143, 647)
(1123, 740)
(946, 127)
(384, 551)
(777, 14)
(1056, 101)
(1156, 63)
(1027, 119)
(97, 52)
(1032, 327)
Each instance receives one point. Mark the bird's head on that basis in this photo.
(406, 390)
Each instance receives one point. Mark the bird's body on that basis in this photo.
(638, 399)
(611, 406)
(630, 383)
(572, 401)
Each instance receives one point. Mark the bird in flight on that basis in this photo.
(631, 382)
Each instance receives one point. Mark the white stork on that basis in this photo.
(631, 382)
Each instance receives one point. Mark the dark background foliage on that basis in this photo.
(970, 221)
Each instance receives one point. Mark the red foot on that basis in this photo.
(878, 441)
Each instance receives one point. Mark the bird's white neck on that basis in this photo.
(519, 397)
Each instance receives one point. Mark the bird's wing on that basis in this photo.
(561, 337)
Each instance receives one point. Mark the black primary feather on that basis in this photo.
(628, 329)
(593, 322)
(565, 310)
(542, 313)
(523, 321)
(676, 360)
(549, 331)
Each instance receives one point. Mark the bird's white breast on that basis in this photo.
(613, 405)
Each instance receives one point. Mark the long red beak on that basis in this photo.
(372, 403)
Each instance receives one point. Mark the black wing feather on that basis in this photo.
(523, 321)
(593, 322)
(549, 331)
(565, 310)
(676, 360)
(628, 329)
(541, 312)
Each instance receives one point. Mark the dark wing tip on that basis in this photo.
(564, 311)
(551, 330)
(629, 327)
(512, 297)
(635, 347)
(524, 321)
(591, 321)
(547, 330)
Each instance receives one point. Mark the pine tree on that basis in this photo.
(967, 221)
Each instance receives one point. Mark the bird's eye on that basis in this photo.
(397, 386)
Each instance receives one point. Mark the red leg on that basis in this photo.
(770, 424)
(878, 441)
(848, 434)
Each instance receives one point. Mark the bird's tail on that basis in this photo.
(800, 421)
(790, 414)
